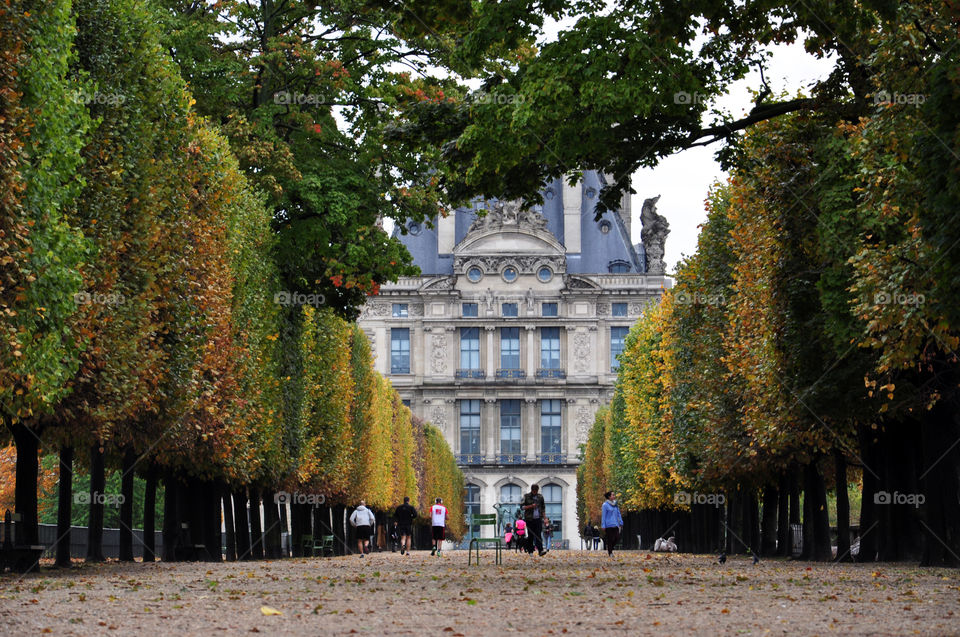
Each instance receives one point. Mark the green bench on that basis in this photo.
(482, 520)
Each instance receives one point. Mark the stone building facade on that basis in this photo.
(508, 340)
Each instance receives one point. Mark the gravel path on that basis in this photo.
(563, 592)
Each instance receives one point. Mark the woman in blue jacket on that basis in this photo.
(611, 521)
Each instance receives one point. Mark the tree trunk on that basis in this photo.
(941, 486)
(241, 524)
(64, 506)
(271, 526)
(816, 521)
(149, 515)
(171, 519)
(754, 520)
(768, 542)
(843, 507)
(98, 483)
(783, 517)
(868, 508)
(25, 488)
(126, 504)
(212, 521)
(256, 529)
(228, 526)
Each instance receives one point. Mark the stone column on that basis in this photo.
(530, 426)
(488, 433)
(568, 427)
(532, 359)
(491, 365)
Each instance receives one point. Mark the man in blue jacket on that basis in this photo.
(611, 521)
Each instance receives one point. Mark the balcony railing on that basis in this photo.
(511, 458)
(511, 373)
(552, 458)
(551, 373)
(469, 458)
(470, 374)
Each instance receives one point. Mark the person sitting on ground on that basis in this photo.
(665, 546)
(394, 537)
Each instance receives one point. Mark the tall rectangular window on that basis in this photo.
(510, 309)
(469, 310)
(549, 309)
(618, 309)
(617, 337)
(400, 350)
(469, 426)
(510, 348)
(469, 348)
(550, 426)
(400, 310)
(550, 347)
(509, 426)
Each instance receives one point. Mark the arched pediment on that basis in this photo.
(510, 480)
(505, 240)
(553, 480)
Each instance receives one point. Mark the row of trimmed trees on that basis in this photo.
(145, 323)
(812, 339)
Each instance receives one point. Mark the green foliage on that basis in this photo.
(40, 253)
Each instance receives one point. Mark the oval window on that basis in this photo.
(510, 274)
(474, 274)
(544, 274)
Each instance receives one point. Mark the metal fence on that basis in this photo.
(78, 540)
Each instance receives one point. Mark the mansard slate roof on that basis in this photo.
(598, 250)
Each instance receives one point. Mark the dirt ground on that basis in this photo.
(571, 592)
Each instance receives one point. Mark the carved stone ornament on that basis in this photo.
(580, 283)
(581, 352)
(509, 213)
(377, 310)
(439, 418)
(438, 284)
(583, 424)
(603, 309)
(438, 360)
(525, 264)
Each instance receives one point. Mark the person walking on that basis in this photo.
(587, 536)
(438, 518)
(533, 513)
(363, 521)
(595, 534)
(611, 521)
(405, 515)
(547, 533)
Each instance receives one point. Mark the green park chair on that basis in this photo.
(311, 545)
(326, 544)
(482, 520)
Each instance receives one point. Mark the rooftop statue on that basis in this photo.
(653, 235)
